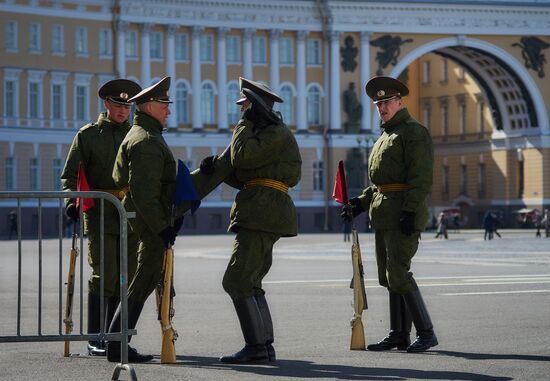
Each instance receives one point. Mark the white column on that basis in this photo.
(145, 55)
(247, 51)
(121, 27)
(335, 123)
(301, 80)
(275, 34)
(171, 68)
(222, 79)
(196, 117)
(365, 76)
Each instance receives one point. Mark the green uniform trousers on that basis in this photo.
(250, 262)
(111, 255)
(394, 252)
(149, 266)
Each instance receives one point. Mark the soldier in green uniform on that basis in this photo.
(95, 147)
(401, 170)
(266, 161)
(146, 166)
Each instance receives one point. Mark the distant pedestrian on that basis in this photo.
(538, 224)
(442, 223)
(545, 223)
(12, 222)
(489, 226)
(347, 230)
(456, 223)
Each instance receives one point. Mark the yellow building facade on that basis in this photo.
(477, 74)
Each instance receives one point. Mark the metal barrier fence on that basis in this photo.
(122, 336)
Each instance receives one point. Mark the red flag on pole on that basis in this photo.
(340, 192)
(83, 186)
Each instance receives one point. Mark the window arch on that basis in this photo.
(313, 106)
(233, 109)
(287, 107)
(182, 103)
(207, 103)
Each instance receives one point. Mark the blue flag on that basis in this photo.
(185, 189)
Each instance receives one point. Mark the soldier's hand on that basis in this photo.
(207, 165)
(178, 222)
(406, 222)
(356, 209)
(72, 211)
(168, 235)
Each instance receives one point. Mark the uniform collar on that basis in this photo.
(146, 121)
(105, 122)
(398, 118)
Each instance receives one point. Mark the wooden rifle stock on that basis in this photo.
(165, 298)
(68, 318)
(359, 296)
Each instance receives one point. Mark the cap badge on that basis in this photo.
(380, 93)
(124, 96)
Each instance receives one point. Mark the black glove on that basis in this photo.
(168, 236)
(72, 211)
(207, 165)
(406, 222)
(178, 222)
(356, 209)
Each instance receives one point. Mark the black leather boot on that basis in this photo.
(253, 330)
(399, 336)
(113, 347)
(268, 326)
(425, 335)
(95, 347)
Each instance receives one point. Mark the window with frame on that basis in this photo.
(481, 181)
(318, 176)
(58, 100)
(81, 40)
(57, 168)
(34, 180)
(233, 109)
(11, 36)
(182, 46)
(285, 51)
(427, 116)
(259, 54)
(313, 51)
(445, 180)
(462, 117)
(155, 48)
(444, 70)
(81, 112)
(105, 43)
(130, 43)
(207, 50)
(34, 99)
(313, 106)
(9, 167)
(58, 39)
(10, 93)
(463, 179)
(444, 118)
(233, 52)
(286, 107)
(426, 72)
(481, 117)
(34, 38)
(207, 103)
(182, 103)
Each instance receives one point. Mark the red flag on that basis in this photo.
(340, 192)
(83, 186)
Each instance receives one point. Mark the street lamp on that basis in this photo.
(368, 143)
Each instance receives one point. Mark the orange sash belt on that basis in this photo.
(275, 184)
(384, 188)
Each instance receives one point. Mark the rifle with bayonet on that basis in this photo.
(68, 317)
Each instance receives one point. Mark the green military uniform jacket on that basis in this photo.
(269, 153)
(96, 146)
(404, 155)
(146, 165)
